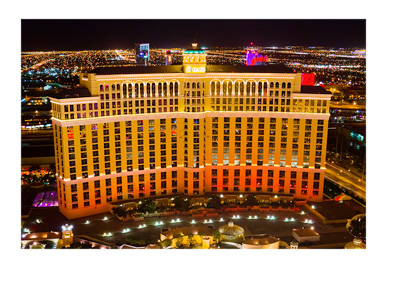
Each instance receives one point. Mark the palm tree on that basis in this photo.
(216, 235)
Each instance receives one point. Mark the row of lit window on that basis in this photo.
(268, 190)
(239, 88)
(262, 120)
(267, 108)
(138, 103)
(150, 89)
(259, 182)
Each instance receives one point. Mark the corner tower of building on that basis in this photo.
(194, 60)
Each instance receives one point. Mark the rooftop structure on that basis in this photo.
(306, 235)
(72, 93)
(355, 244)
(261, 243)
(184, 231)
(231, 232)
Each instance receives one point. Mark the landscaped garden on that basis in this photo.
(208, 205)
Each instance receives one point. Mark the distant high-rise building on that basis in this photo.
(142, 54)
(168, 58)
(253, 58)
(193, 129)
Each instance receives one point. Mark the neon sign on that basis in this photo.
(253, 58)
(308, 79)
(190, 69)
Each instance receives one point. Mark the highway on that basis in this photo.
(347, 106)
(346, 179)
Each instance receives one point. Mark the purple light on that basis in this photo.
(253, 58)
(45, 199)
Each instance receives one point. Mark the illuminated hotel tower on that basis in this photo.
(168, 58)
(143, 132)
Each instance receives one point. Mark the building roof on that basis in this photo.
(231, 229)
(269, 68)
(305, 232)
(314, 89)
(41, 235)
(194, 51)
(51, 217)
(72, 93)
(188, 230)
(261, 241)
(355, 244)
(137, 70)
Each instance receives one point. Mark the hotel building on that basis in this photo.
(192, 129)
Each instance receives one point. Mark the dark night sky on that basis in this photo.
(47, 35)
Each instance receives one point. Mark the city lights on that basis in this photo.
(145, 135)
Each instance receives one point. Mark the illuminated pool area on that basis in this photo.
(46, 199)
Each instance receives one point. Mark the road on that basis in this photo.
(344, 178)
(347, 106)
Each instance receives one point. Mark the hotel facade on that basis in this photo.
(145, 132)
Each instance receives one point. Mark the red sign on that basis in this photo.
(308, 79)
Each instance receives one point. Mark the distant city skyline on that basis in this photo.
(53, 35)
